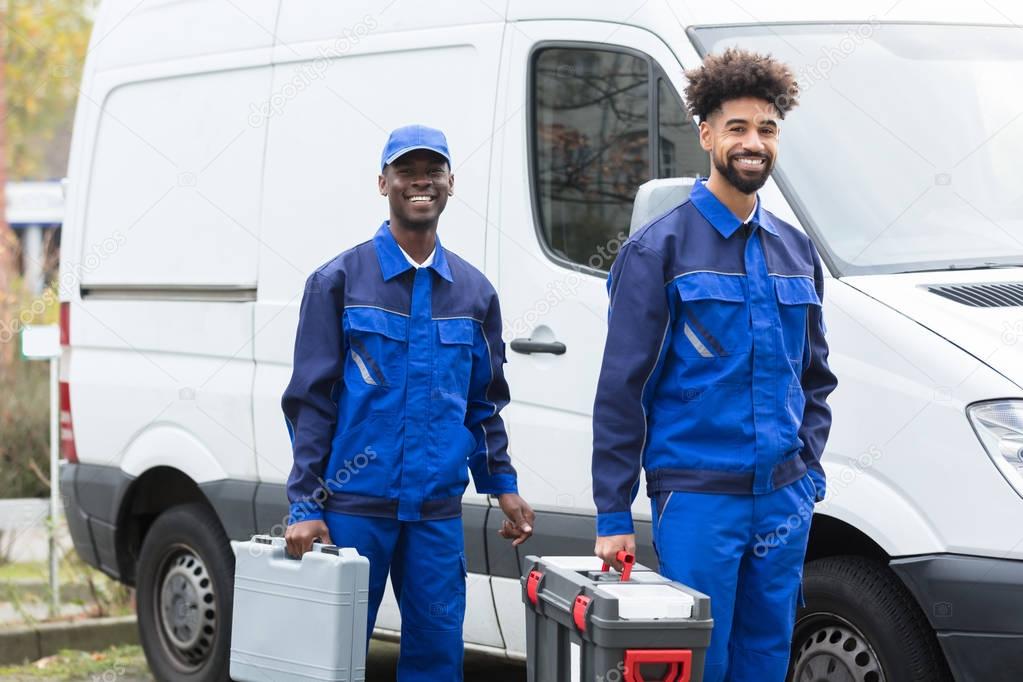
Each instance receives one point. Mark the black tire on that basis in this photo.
(185, 593)
(861, 624)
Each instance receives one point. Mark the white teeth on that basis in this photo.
(417, 199)
(750, 162)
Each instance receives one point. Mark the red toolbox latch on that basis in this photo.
(582, 602)
(680, 663)
(627, 561)
(533, 585)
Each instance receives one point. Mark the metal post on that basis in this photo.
(32, 257)
(54, 486)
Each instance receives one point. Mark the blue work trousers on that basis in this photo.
(426, 561)
(746, 552)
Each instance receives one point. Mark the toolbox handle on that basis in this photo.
(582, 602)
(533, 585)
(675, 658)
(627, 560)
(317, 546)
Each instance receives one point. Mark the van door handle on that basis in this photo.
(529, 346)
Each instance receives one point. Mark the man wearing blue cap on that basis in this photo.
(395, 396)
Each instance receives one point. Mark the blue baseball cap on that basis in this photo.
(406, 139)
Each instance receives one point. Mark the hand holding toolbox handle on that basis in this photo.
(317, 546)
(627, 561)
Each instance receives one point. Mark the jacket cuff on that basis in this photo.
(615, 523)
(498, 484)
(819, 484)
(304, 511)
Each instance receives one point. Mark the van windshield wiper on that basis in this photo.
(978, 266)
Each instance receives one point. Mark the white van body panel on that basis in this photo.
(654, 15)
(129, 32)
(901, 446)
(166, 258)
(168, 445)
(992, 335)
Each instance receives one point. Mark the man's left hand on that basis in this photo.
(519, 524)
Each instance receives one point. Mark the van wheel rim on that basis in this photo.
(187, 607)
(831, 649)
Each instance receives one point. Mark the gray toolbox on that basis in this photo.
(585, 623)
(298, 618)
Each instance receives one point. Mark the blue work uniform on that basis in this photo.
(714, 380)
(395, 396)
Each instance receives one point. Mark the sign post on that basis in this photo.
(42, 342)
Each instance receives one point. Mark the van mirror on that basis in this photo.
(657, 197)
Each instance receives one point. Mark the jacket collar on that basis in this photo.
(720, 216)
(393, 262)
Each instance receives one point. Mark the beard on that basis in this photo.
(744, 184)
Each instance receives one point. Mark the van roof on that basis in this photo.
(128, 32)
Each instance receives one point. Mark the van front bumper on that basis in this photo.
(975, 605)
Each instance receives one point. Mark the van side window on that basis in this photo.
(593, 110)
(681, 155)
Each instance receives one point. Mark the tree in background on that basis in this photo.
(44, 45)
(45, 49)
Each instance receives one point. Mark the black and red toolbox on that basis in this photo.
(586, 623)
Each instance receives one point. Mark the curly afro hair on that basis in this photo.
(739, 73)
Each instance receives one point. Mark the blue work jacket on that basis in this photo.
(397, 387)
(715, 373)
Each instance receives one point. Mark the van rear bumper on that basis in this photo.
(92, 497)
(975, 605)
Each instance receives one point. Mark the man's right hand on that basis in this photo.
(299, 536)
(608, 546)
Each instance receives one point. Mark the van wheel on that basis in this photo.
(185, 575)
(860, 624)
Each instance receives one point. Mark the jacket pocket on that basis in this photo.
(795, 297)
(453, 367)
(714, 318)
(377, 346)
(366, 457)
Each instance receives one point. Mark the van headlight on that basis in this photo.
(999, 425)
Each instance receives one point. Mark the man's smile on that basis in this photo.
(749, 162)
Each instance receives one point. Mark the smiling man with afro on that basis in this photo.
(715, 380)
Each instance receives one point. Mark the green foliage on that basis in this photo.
(46, 45)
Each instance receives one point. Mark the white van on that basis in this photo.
(222, 151)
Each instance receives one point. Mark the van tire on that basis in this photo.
(185, 594)
(861, 624)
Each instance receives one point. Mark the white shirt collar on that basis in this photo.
(756, 201)
(425, 264)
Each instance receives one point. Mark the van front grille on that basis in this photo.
(1002, 295)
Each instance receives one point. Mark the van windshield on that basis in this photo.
(904, 152)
